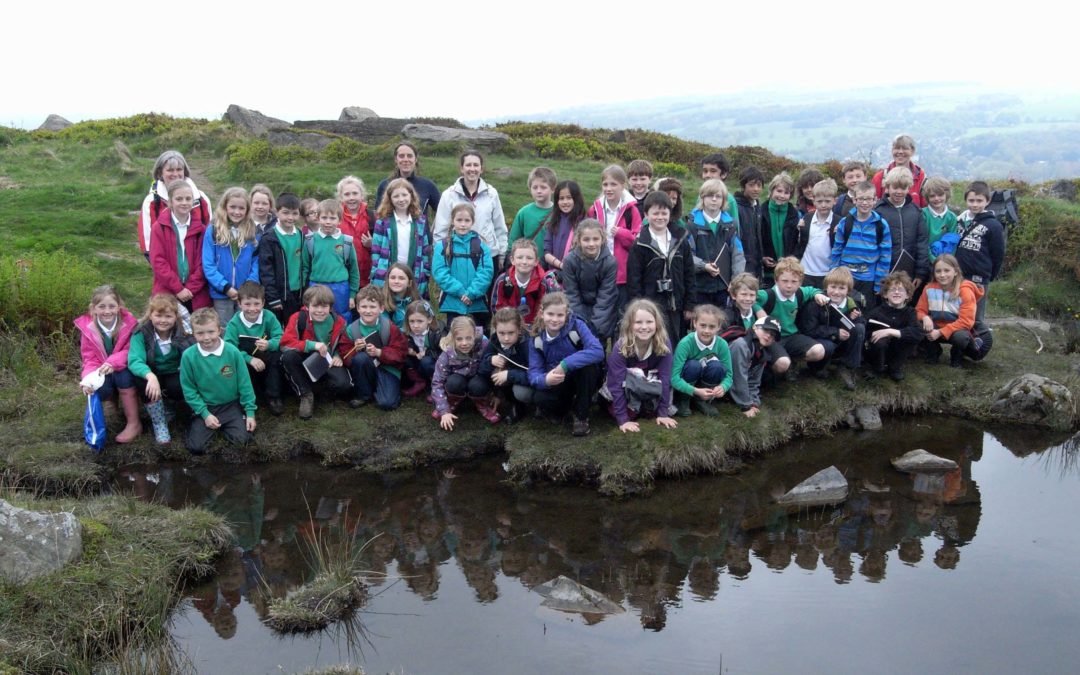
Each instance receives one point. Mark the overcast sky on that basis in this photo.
(483, 59)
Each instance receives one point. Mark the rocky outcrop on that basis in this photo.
(372, 130)
(253, 121)
(1063, 189)
(309, 140)
(921, 461)
(54, 123)
(354, 113)
(476, 138)
(827, 486)
(1034, 399)
(34, 543)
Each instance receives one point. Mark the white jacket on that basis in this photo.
(490, 222)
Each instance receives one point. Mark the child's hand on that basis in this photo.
(629, 426)
(321, 348)
(712, 269)
(336, 362)
(249, 423)
(257, 364)
(466, 300)
(105, 369)
(927, 324)
(820, 298)
(359, 344)
(365, 240)
(153, 388)
(843, 334)
(768, 262)
(373, 351)
(184, 295)
(211, 422)
(447, 421)
(262, 344)
(86, 390)
(412, 352)
(352, 304)
(855, 313)
(555, 377)
(499, 361)
(702, 393)
(667, 422)
(752, 412)
(499, 378)
(718, 391)
(934, 334)
(232, 294)
(688, 314)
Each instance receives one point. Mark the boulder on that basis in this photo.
(373, 130)
(921, 461)
(123, 155)
(34, 543)
(1034, 399)
(354, 113)
(1063, 189)
(827, 486)
(253, 121)
(54, 123)
(567, 595)
(309, 140)
(865, 417)
(429, 133)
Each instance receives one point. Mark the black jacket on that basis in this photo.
(273, 268)
(750, 232)
(790, 233)
(518, 353)
(981, 250)
(646, 266)
(822, 322)
(910, 238)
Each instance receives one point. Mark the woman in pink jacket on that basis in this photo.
(105, 336)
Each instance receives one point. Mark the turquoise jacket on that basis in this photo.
(460, 276)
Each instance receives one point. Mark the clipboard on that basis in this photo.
(847, 323)
(316, 365)
(247, 344)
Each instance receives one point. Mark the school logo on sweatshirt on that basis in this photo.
(226, 371)
(339, 249)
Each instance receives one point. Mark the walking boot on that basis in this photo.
(485, 405)
(417, 385)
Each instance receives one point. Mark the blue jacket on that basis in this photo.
(222, 271)
(562, 349)
(859, 250)
(460, 277)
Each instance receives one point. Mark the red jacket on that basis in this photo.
(163, 259)
(505, 294)
(393, 353)
(290, 339)
(356, 226)
(916, 187)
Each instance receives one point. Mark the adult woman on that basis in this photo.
(490, 222)
(406, 164)
(903, 147)
(357, 221)
(170, 166)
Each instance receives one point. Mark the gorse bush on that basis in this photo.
(42, 293)
(145, 124)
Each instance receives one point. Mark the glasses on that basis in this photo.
(865, 199)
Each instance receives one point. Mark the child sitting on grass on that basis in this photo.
(893, 328)
(701, 369)
(105, 335)
(264, 357)
(154, 359)
(838, 326)
(457, 374)
(749, 356)
(378, 351)
(423, 342)
(946, 310)
(315, 328)
(505, 362)
(639, 369)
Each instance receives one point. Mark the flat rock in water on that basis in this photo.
(1034, 399)
(34, 543)
(868, 417)
(567, 595)
(827, 486)
(921, 461)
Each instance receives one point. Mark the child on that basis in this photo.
(309, 214)
(616, 209)
(401, 235)
(940, 220)
(562, 223)
(903, 148)
(804, 189)
(356, 222)
(216, 386)
(263, 357)
(456, 374)
(854, 172)
(714, 240)
(910, 236)
(715, 165)
(280, 256)
(701, 369)
(505, 362)
(462, 267)
(639, 369)
(329, 259)
(154, 359)
(639, 175)
(946, 310)
(424, 349)
(981, 250)
(262, 209)
(894, 328)
(779, 225)
(749, 355)
(783, 302)
(377, 354)
(315, 328)
(661, 265)
(839, 326)
(748, 209)
(170, 166)
(588, 277)
(862, 242)
(564, 362)
(815, 233)
(229, 251)
(673, 188)
(176, 250)
(400, 290)
(530, 219)
(522, 286)
(488, 218)
(105, 336)
(743, 290)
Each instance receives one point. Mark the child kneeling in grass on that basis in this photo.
(378, 352)
(457, 374)
(639, 369)
(701, 369)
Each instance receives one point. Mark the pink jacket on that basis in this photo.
(163, 259)
(92, 347)
(626, 231)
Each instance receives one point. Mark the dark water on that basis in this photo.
(975, 571)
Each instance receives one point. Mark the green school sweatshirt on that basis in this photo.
(216, 380)
(688, 350)
(268, 327)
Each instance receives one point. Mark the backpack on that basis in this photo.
(1004, 205)
(476, 251)
(384, 330)
(302, 324)
(575, 339)
(733, 332)
(880, 226)
(551, 282)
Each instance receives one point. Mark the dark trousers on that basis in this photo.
(371, 381)
(889, 354)
(424, 366)
(866, 288)
(476, 386)
(719, 298)
(336, 383)
(118, 379)
(960, 341)
(269, 381)
(171, 391)
(290, 304)
(704, 375)
(231, 416)
(575, 393)
(849, 351)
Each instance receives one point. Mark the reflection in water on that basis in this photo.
(642, 553)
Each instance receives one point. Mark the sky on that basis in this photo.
(484, 59)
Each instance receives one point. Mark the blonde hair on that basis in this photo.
(825, 188)
(260, 189)
(589, 224)
(222, 224)
(331, 206)
(459, 324)
(899, 176)
(615, 173)
(163, 302)
(713, 186)
(840, 276)
(904, 141)
(386, 206)
(782, 179)
(319, 295)
(936, 185)
(744, 280)
(659, 342)
(205, 317)
(557, 298)
(355, 181)
(789, 264)
(100, 293)
(950, 260)
(411, 290)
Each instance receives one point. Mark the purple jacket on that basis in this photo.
(451, 363)
(618, 365)
(563, 348)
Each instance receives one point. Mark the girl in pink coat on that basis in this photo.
(176, 250)
(105, 336)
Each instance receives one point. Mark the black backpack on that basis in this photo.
(1004, 205)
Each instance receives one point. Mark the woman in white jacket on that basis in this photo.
(490, 223)
(170, 166)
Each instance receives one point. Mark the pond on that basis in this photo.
(970, 571)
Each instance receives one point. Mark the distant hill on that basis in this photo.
(962, 130)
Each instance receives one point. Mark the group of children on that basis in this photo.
(332, 297)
